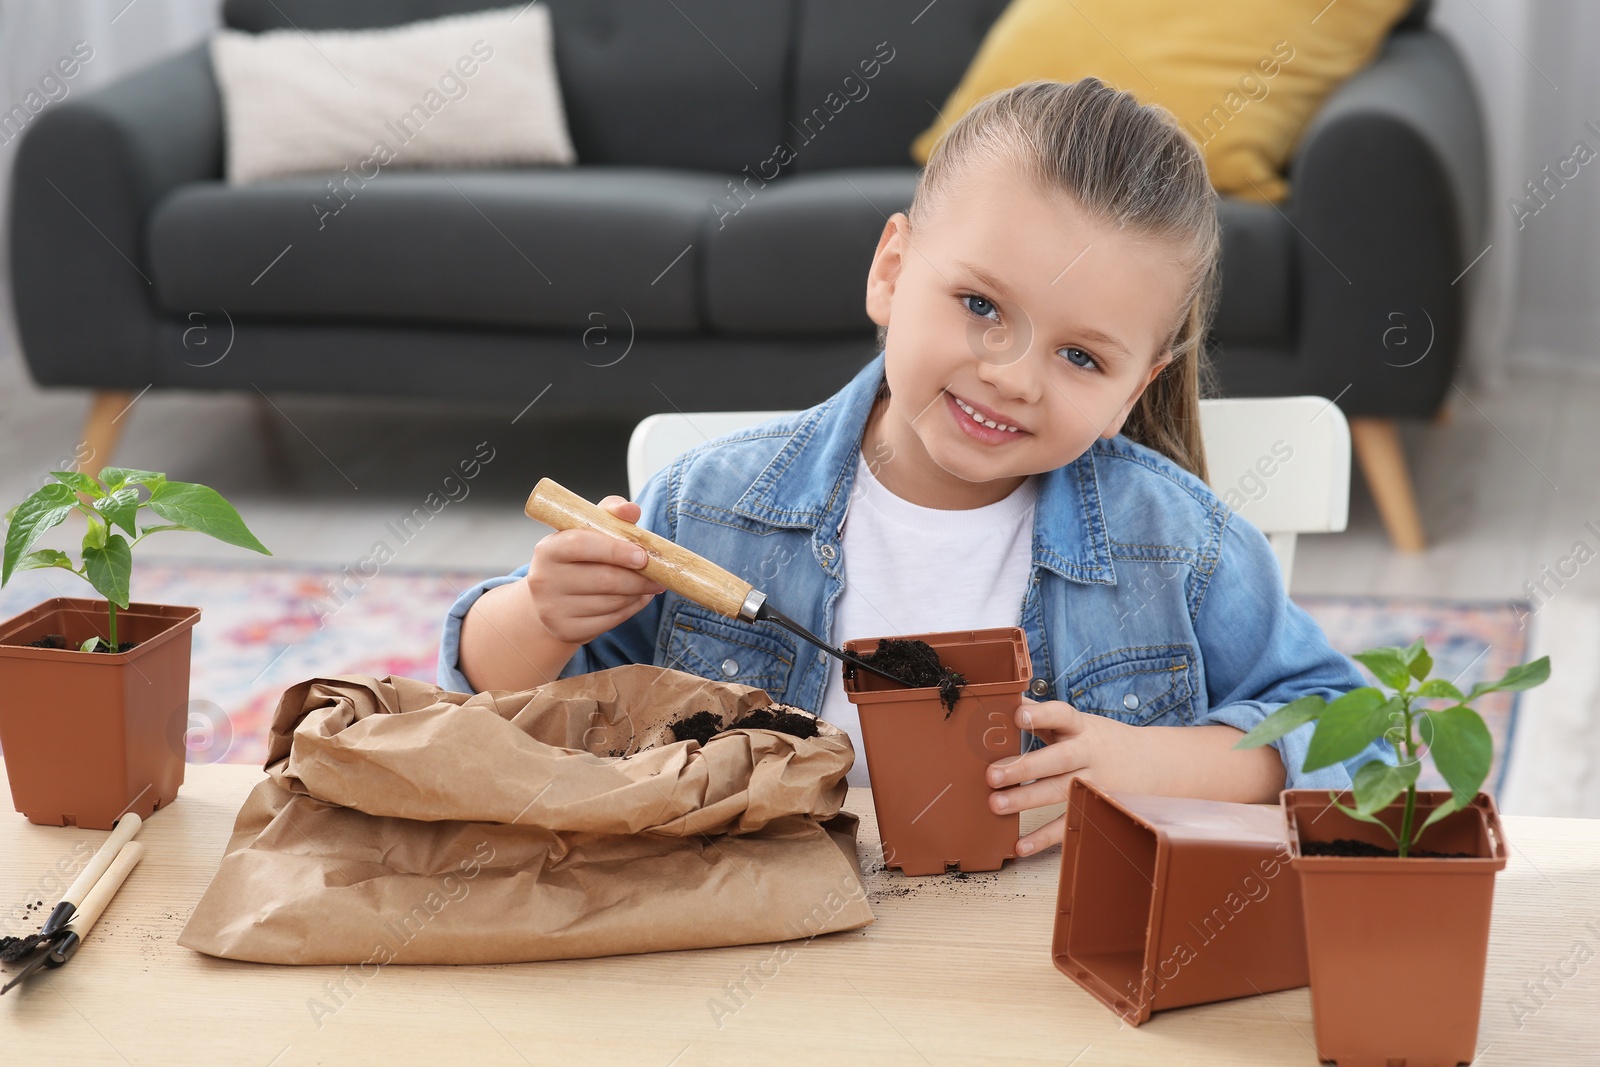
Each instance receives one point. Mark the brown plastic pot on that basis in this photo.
(90, 735)
(1397, 946)
(928, 769)
(1170, 901)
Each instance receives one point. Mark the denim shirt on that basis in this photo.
(1149, 601)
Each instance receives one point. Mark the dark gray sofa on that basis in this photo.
(497, 284)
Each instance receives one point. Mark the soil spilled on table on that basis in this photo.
(884, 884)
(1346, 846)
(702, 726)
(918, 663)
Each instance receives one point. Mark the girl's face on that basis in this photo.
(1012, 307)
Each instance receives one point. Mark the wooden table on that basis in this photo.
(953, 971)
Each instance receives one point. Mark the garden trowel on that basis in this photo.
(680, 570)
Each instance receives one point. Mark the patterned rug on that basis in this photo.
(266, 627)
(1470, 641)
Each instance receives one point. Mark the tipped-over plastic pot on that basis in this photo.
(1170, 901)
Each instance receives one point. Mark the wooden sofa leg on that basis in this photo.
(104, 427)
(1383, 462)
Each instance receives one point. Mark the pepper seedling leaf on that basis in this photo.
(120, 508)
(1449, 807)
(1290, 717)
(1350, 724)
(109, 568)
(90, 644)
(1522, 676)
(117, 477)
(80, 482)
(95, 535)
(1377, 783)
(45, 507)
(202, 508)
(1442, 689)
(1357, 813)
(1421, 664)
(1388, 665)
(45, 557)
(1462, 749)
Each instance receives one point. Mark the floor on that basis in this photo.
(1507, 483)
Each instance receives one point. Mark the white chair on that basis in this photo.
(1281, 462)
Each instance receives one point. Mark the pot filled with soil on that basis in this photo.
(928, 747)
(1171, 901)
(1397, 945)
(88, 735)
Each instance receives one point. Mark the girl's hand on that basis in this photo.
(1109, 753)
(585, 582)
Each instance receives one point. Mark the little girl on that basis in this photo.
(1023, 451)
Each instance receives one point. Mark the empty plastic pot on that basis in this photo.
(1170, 901)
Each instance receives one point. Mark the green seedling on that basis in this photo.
(1453, 735)
(111, 501)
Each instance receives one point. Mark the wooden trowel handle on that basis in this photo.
(95, 901)
(674, 566)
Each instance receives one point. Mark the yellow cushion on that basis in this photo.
(1243, 78)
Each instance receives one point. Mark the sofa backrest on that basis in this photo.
(640, 82)
(837, 116)
(720, 84)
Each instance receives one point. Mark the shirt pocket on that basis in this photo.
(1139, 685)
(757, 654)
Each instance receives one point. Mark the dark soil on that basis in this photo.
(885, 884)
(58, 641)
(13, 949)
(918, 663)
(702, 726)
(1345, 846)
(785, 722)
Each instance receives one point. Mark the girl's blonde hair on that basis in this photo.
(1129, 166)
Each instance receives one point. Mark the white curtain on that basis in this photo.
(1558, 293)
(1534, 300)
(123, 36)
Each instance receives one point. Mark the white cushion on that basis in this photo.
(465, 90)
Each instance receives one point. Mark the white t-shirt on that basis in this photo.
(910, 569)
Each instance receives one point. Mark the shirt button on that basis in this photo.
(1131, 701)
(828, 552)
(1039, 687)
(730, 667)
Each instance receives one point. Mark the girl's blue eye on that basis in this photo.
(1072, 355)
(987, 307)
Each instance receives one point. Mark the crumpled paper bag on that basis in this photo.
(400, 822)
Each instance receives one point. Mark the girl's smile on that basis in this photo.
(981, 423)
